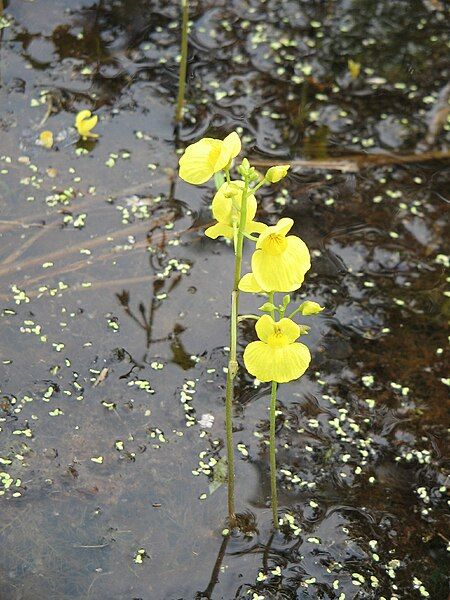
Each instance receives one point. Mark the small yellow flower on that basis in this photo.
(208, 156)
(226, 209)
(85, 123)
(275, 174)
(46, 139)
(276, 357)
(279, 262)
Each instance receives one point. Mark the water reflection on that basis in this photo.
(95, 442)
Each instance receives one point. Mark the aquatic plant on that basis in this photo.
(279, 264)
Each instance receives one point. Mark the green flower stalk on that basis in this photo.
(232, 362)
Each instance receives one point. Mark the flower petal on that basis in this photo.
(231, 146)
(290, 362)
(227, 203)
(255, 227)
(222, 204)
(219, 229)
(289, 328)
(252, 206)
(282, 272)
(81, 116)
(280, 364)
(233, 143)
(284, 225)
(281, 228)
(85, 125)
(258, 358)
(265, 327)
(197, 162)
(248, 284)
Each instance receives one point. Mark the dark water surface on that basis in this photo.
(114, 306)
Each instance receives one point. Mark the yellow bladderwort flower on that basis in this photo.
(85, 123)
(208, 156)
(279, 262)
(226, 209)
(277, 356)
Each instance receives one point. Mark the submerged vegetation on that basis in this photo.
(115, 312)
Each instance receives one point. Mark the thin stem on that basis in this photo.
(272, 452)
(240, 240)
(257, 186)
(243, 317)
(183, 62)
(227, 175)
(271, 296)
(232, 362)
(294, 312)
(249, 236)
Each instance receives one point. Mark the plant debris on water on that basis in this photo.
(114, 306)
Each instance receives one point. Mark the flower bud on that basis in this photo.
(286, 300)
(247, 171)
(308, 308)
(268, 307)
(274, 174)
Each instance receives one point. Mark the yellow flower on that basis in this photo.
(276, 357)
(279, 262)
(226, 209)
(46, 139)
(85, 122)
(208, 156)
(274, 174)
(354, 68)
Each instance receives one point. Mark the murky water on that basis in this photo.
(114, 308)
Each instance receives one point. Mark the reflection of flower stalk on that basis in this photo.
(272, 448)
(232, 363)
(272, 453)
(183, 61)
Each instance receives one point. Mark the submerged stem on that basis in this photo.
(272, 452)
(232, 362)
(183, 61)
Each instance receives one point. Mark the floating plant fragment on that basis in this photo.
(46, 139)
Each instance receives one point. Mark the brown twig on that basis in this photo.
(87, 199)
(352, 164)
